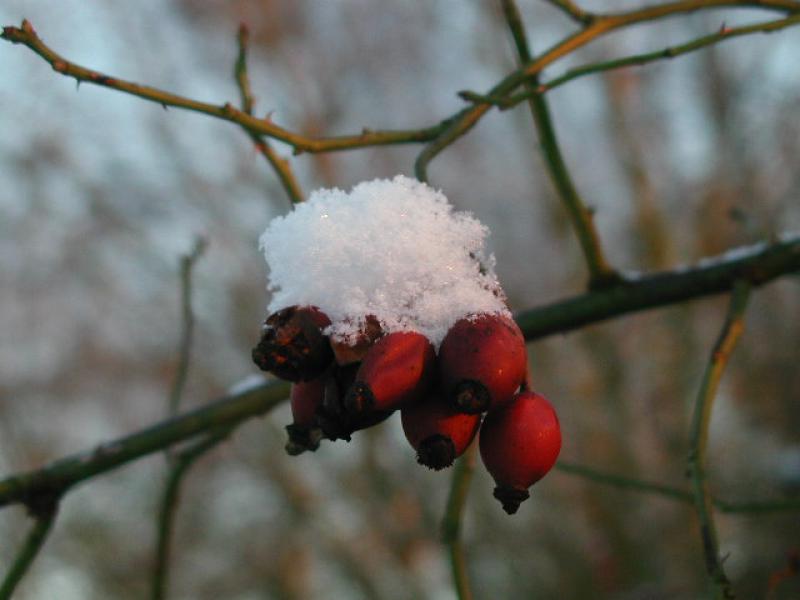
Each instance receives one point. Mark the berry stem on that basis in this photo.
(451, 523)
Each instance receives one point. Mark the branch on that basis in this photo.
(698, 438)
(463, 121)
(177, 464)
(451, 523)
(668, 492)
(600, 272)
(27, 553)
(59, 476)
(27, 36)
(181, 464)
(758, 264)
(187, 327)
(725, 33)
(573, 11)
(279, 164)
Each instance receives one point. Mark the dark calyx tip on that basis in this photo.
(359, 399)
(471, 397)
(436, 452)
(302, 439)
(511, 497)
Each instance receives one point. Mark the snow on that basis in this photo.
(394, 249)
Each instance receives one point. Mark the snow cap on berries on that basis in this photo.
(394, 249)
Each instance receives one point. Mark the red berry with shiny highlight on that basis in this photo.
(292, 344)
(519, 444)
(399, 369)
(438, 432)
(482, 362)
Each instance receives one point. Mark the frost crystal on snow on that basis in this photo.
(393, 249)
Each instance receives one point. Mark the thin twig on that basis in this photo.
(451, 522)
(698, 438)
(279, 164)
(28, 551)
(27, 36)
(724, 33)
(669, 492)
(600, 272)
(177, 464)
(573, 11)
(759, 265)
(187, 325)
(180, 465)
(463, 121)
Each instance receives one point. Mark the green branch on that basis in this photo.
(698, 439)
(28, 551)
(757, 264)
(451, 522)
(600, 272)
(59, 476)
(181, 464)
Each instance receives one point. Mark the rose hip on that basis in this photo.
(437, 431)
(397, 370)
(482, 362)
(292, 345)
(519, 444)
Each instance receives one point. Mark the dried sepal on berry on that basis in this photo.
(519, 444)
(482, 362)
(335, 422)
(292, 344)
(437, 431)
(399, 369)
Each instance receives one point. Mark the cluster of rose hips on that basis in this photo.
(341, 386)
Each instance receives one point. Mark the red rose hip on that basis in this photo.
(304, 432)
(397, 370)
(519, 444)
(292, 345)
(437, 431)
(482, 362)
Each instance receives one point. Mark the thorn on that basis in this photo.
(77, 85)
(365, 131)
(723, 29)
(27, 27)
(164, 106)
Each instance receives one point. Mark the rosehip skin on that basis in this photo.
(305, 399)
(519, 444)
(292, 345)
(482, 362)
(437, 431)
(399, 369)
(354, 350)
